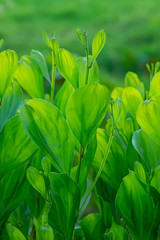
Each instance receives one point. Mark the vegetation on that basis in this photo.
(82, 164)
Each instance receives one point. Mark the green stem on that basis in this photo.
(53, 77)
(87, 67)
(101, 167)
(80, 164)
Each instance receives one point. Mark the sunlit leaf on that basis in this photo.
(148, 117)
(8, 65)
(46, 126)
(29, 76)
(86, 110)
(68, 67)
(98, 43)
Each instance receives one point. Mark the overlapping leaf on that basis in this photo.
(86, 110)
(46, 126)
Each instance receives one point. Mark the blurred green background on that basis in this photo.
(132, 28)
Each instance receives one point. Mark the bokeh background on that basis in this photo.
(132, 28)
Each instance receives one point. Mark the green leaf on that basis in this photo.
(29, 76)
(116, 232)
(40, 59)
(93, 71)
(14, 233)
(92, 226)
(117, 93)
(8, 65)
(46, 126)
(98, 43)
(131, 99)
(11, 102)
(139, 170)
(66, 200)
(17, 148)
(155, 178)
(13, 190)
(63, 96)
(116, 165)
(44, 232)
(36, 179)
(138, 204)
(147, 149)
(155, 85)
(148, 117)
(67, 66)
(132, 80)
(86, 110)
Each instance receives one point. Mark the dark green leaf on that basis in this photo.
(66, 200)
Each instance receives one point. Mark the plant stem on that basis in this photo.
(87, 67)
(53, 77)
(80, 164)
(101, 167)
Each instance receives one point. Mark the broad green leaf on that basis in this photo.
(40, 59)
(13, 190)
(117, 109)
(98, 43)
(93, 71)
(45, 232)
(66, 200)
(46, 126)
(147, 149)
(131, 99)
(8, 65)
(36, 179)
(63, 96)
(117, 93)
(132, 80)
(138, 204)
(86, 110)
(67, 66)
(15, 146)
(116, 165)
(139, 170)
(155, 178)
(14, 233)
(11, 102)
(155, 85)
(116, 232)
(29, 76)
(92, 226)
(148, 117)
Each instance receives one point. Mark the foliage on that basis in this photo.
(83, 147)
